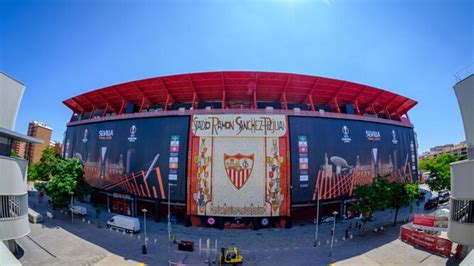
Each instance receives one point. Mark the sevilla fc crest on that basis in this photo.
(238, 168)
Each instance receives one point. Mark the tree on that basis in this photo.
(371, 197)
(46, 167)
(98, 211)
(401, 195)
(440, 170)
(69, 177)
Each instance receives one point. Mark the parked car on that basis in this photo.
(128, 224)
(431, 203)
(443, 196)
(79, 210)
(327, 219)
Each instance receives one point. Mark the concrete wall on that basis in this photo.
(462, 173)
(11, 92)
(13, 189)
(465, 94)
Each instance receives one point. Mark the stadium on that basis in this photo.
(238, 149)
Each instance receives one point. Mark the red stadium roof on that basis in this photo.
(243, 89)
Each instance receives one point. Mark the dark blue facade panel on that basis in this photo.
(133, 156)
(336, 155)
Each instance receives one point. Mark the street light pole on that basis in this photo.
(333, 233)
(316, 232)
(144, 225)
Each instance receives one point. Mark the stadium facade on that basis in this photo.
(239, 148)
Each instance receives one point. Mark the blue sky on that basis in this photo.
(63, 48)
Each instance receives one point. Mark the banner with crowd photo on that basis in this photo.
(136, 157)
(238, 166)
(330, 157)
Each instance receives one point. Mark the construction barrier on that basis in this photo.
(435, 244)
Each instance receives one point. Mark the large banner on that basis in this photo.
(239, 166)
(433, 243)
(134, 156)
(437, 222)
(330, 157)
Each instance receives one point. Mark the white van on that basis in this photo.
(128, 224)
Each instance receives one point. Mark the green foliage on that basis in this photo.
(401, 195)
(382, 194)
(371, 197)
(69, 177)
(46, 167)
(14, 154)
(440, 170)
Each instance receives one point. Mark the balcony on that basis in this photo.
(13, 198)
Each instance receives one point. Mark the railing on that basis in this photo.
(13, 207)
(403, 122)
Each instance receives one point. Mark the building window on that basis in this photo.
(5, 146)
(13, 206)
(462, 211)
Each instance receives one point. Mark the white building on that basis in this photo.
(13, 170)
(461, 222)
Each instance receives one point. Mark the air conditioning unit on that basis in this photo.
(181, 109)
(322, 112)
(297, 109)
(208, 108)
(269, 108)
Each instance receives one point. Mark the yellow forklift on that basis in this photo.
(230, 256)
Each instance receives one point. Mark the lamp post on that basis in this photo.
(144, 248)
(316, 231)
(72, 204)
(333, 233)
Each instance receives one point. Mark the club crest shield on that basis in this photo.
(238, 168)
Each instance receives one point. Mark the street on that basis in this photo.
(59, 241)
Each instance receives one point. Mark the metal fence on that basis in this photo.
(13, 206)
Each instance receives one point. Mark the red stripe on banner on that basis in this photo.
(238, 179)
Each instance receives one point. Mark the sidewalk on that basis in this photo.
(266, 244)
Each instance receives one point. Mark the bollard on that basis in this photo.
(381, 228)
(319, 243)
(351, 236)
(375, 230)
(83, 220)
(110, 229)
(343, 238)
(335, 240)
(123, 232)
(327, 242)
(88, 222)
(155, 240)
(131, 235)
(138, 236)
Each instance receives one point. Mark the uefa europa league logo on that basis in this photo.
(394, 137)
(345, 132)
(133, 131)
(86, 132)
